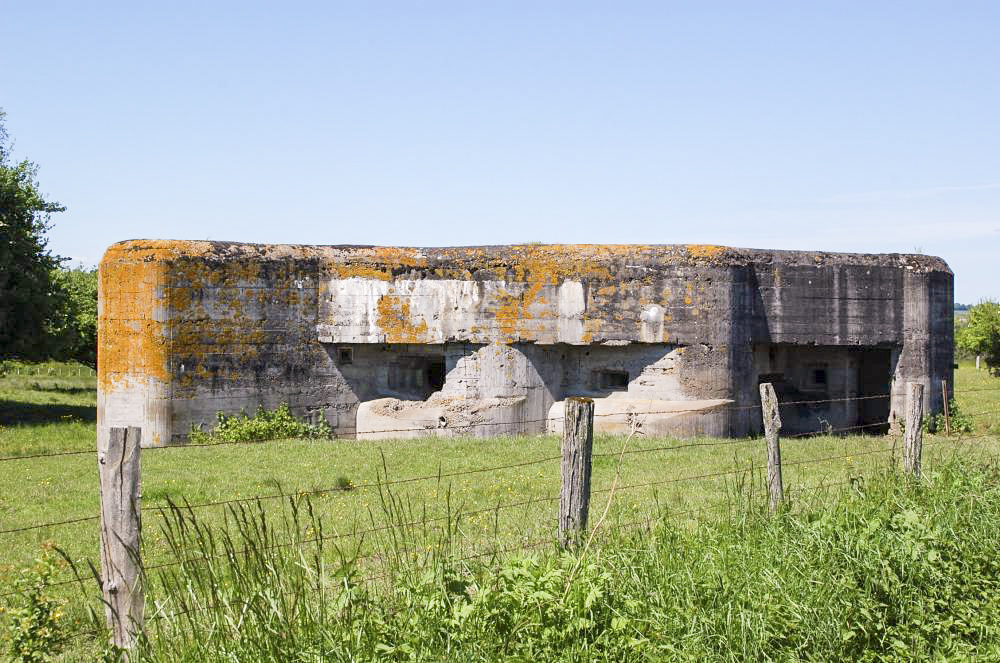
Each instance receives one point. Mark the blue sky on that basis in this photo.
(866, 127)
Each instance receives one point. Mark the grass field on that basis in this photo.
(498, 509)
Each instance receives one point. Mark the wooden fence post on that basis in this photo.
(913, 439)
(772, 425)
(577, 449)
(947, 414)
(118, 463)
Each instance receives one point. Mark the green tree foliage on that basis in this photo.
(980, 335)
(72, 328)
(27, 291)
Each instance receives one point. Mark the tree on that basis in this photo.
(27, 292)
(981, 333)
(72, 327)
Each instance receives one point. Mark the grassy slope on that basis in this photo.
(60, 411)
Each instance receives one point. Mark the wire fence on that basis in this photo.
(43, 371)
(388, 483)
(638, 414)
(744, 468)
(636, 411)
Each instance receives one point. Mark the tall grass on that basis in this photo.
(886, 569)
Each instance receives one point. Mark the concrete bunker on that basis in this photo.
(398, 342)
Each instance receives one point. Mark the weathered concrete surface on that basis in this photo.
(621, 415)
(391, 418)
(191, 328)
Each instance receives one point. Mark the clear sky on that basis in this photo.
(843, 126)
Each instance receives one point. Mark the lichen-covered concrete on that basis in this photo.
(191, 328)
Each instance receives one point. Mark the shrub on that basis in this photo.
(958, 420)
(274, 424)
(33, 626)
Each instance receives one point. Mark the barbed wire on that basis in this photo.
(640, 450)
(499, 507)
(835, 400)
(442, 475)
(460, 514)
(48, 455)
(457, 515)
(52, 524)
(540, 500)
(649, 522)
(512, 425)
(468, 426)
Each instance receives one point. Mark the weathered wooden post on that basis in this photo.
(913, 439)
(577, 449)
(118, 463)
(947, 414)
(772, 425)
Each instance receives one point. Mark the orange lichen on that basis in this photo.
(131, 339)
(395, 321)
(591, 327)
(531, 272)
(346, 271)
(510, 315)
(181, 301)
(154, 298)
(707, 251)
(404, 257)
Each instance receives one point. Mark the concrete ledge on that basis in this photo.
(616, 414)
(392, 418)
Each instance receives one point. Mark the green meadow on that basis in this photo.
(368, 510)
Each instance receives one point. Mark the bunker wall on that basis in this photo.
(188, 329)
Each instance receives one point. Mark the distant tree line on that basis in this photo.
(46, 310)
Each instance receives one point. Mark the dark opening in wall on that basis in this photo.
(345, 356)
(435, 374)
(416, 377)
(875, 371)
(816, 378)
(609, 380)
